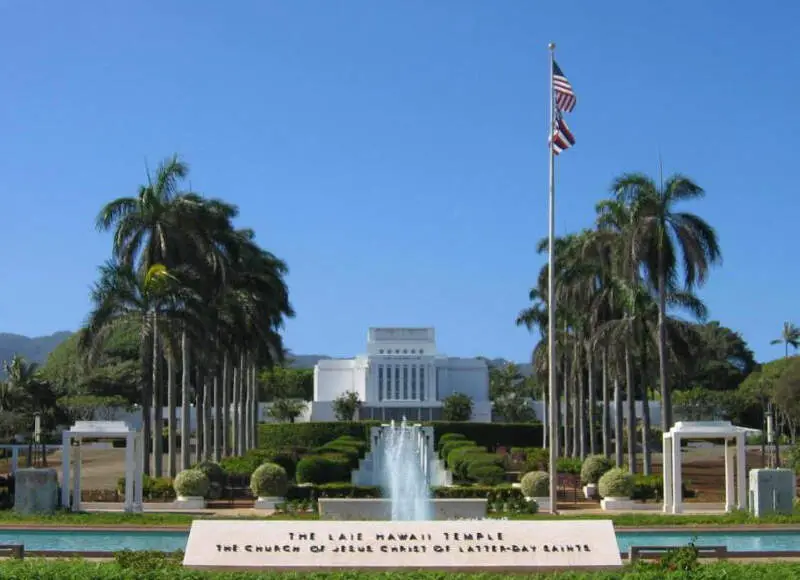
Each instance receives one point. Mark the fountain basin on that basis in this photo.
(381, 509)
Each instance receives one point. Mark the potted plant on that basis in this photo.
(616, 489)
(592, 470)
(269, 484)
(535, 486)
(191, 486)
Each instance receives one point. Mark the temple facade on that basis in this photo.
(401, 375)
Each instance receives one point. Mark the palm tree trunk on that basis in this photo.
(646, 457)
(566, 390)
(172, 448)
(606, 426)
(219, 385)
(618, 434)
(237, 381)
(226, 407)
(186, 432)
(581, 413)
(631, 423)
(146, 379)
(200, 420)
(545, 416)
(207, 393)
(158, 406)
(256, 406)
(592, 402)
(666, 397)
(240, 419)
(247, 409)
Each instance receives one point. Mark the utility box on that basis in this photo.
(771, 491)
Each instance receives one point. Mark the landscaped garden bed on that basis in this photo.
(149, 566)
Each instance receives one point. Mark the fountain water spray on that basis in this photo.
(406, 472)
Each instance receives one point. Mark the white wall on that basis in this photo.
(463, 375)
(333, 378)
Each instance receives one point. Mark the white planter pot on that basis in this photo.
(190, 502)
(590, 490)
(616, 503)
(267, 503)
(542, 502)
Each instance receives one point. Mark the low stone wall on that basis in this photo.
(381, 509)
(36, 491)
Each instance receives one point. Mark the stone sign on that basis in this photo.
(489, 545)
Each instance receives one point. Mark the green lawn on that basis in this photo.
(149, 569)
(165, 519)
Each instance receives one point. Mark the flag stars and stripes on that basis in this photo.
(564, 95)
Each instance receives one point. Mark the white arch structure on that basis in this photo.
(735, 468)
(134, 460)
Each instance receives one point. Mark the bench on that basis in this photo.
(14, 551)
(638, 552)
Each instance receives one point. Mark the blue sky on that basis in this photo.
(393, 152)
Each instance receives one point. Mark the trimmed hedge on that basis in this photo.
(152, 565)
(316, 434)
(319, 469)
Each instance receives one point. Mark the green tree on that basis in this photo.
(287, 409)
(511, 394)
(457, 407)
(790, 337)
(346, 406)
(663, 239)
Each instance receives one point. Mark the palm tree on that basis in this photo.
(123, 294)
(661, 238)
(790, 336)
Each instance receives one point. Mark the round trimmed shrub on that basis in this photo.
(191, 483)
(594, 467)
(269, 480)
(459, 459)
(616, 482)
(213, 471)
(535, 484)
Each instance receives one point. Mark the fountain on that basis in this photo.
(403, 463)
(406, 473)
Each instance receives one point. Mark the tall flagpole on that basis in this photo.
(551, 303)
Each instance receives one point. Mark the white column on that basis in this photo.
(76, 486)
(741, 472)
(667, 470)
(677, 483)
(138, 476)
(66, 441)
(730, 458)
(130, 468)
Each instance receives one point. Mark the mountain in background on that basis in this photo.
(36, 350)
(31, 349)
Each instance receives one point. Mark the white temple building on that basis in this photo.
(401, 375)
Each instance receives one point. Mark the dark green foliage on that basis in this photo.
(569, 465)
(147, 561)
(447, 448)
(247, 464)
(451, 437)
(153, 488)
(321, 469)
(332, 490)
(485, 473)
(457, 407)
(311, 435)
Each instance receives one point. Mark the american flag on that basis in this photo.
(564, 95)
(562, 136)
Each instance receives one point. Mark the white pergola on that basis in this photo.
(134, 460)
(735, 479)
